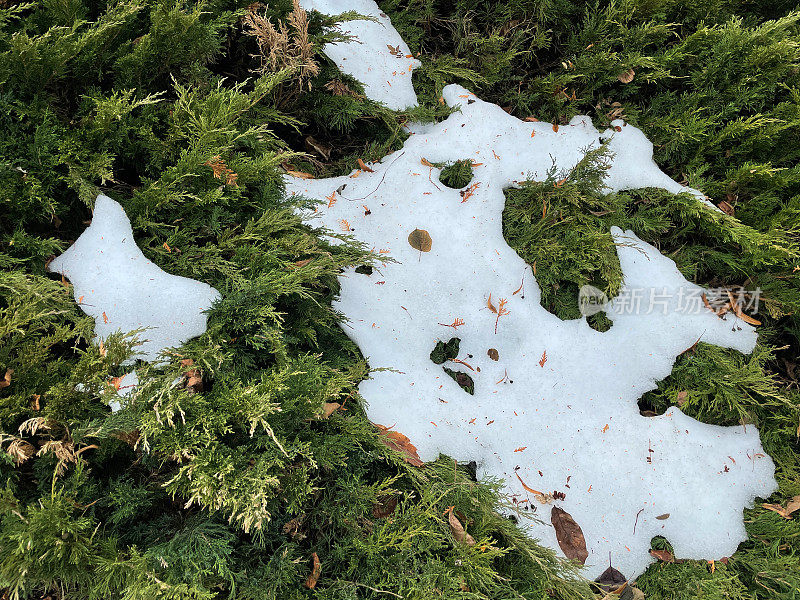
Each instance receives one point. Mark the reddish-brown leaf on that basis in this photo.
(364, 167)
(493, 354)
(316, 571)
(420, 239)
(401, 443)
(663, 555)
(569, 535)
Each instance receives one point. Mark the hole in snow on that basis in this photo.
(456, 175)
(364, 270)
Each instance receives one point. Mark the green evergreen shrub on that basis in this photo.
(227, 492)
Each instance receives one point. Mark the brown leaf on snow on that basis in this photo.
(458, 529)
(364, 167)
(493, 354)
(626, 76)
(569, 535)
(397, 441)
(420, 240)
(663, 555)
(785, 511)
(316, 571)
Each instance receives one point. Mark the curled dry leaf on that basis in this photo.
(420, 240)
(663, 517)
(626, 76)
(458, 529)
(493, 354)
(397, 441)
(785, 511)
(364, 167)
(316, 571)
(569, 535)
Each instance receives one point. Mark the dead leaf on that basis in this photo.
(726, 208)
(493, 354)
(6, 381)
(569, 535)
(316, 571)
(293, 527)
(491, 306)
(300, 174)
(384, 507)
(397, 441)
(302, 263)
(35, 402)
(321, 148)
(543, 359)
(786, 512)
(626, 76)
(682, 396)
(364, 167)
(329, 408)
(663, 555)
(420, 240)
(610, 579)
(555, 127)
(426, 162)
(532, 119)
(663, 517)
(458, 529)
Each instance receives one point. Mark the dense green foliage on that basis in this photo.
(227, 491)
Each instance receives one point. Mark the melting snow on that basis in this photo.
(114, 283)
(378, 57)
(558, 409)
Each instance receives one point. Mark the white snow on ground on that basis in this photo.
(558, 409)
(378, 57)
(114, 283)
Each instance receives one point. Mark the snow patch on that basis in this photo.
(378, 57)
(117, 285)
(557, 410)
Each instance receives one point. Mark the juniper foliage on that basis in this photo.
(227, 492)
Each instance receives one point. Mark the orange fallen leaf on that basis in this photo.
(397, 441)
(604, 429)
(105, 317)
(364, 167)
(532, 119)
(543, 359)
(426, 162)
(490, 305)
(539, 495)
(167, 248)
(555, 127)
(316, 571)
(520, 449)
(331, 199)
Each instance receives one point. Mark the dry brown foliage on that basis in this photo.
(286, 46)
